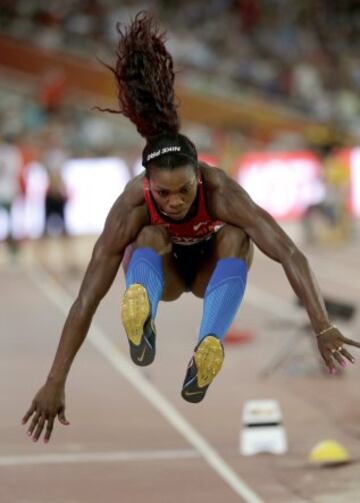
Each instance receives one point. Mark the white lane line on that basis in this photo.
(338, 273)
(328, 269)
(62, 300)
(274, 305)
(287, 310)
(97, 457)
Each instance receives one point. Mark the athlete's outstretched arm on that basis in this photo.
(233, 205)
(122, 225)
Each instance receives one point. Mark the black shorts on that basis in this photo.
(188, 259)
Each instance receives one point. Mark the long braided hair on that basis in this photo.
(144, 74)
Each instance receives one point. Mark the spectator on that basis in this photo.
(10, 168)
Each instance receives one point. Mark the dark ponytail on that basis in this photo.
(145, 78)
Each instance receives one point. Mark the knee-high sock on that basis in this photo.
(223, 296)
(145, 267)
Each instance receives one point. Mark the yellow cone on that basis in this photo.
(329, 452)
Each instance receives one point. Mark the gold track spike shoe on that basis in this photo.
(138, 325)
(205, 364)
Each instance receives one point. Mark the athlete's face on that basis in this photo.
(174, 190)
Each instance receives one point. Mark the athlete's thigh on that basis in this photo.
(205, 270)
(229, 241)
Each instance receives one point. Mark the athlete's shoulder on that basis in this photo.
(130, 201)
(128, 213)
(133, 194)
(213, 178)
(220, 189)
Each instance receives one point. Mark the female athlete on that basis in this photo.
(182, 226)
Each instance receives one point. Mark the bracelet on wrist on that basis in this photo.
(325, 330)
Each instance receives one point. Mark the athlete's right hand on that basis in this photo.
(48, 403)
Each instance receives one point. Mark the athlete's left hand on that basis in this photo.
(331, 346)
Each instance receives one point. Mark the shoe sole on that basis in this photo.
(209, 358)
(135, 311)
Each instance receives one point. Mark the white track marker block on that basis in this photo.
(262, 428)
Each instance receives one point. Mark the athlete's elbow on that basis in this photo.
(295, 257)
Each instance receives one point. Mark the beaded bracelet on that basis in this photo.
(325, 330)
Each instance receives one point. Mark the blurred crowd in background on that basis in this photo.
(302, 54)
(305, 52)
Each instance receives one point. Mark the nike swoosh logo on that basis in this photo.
(196, 227)
(141, 357)
(192, 393)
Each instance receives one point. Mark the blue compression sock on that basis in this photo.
(145, 267)
(223, 297)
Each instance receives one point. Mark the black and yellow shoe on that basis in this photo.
(205, 364)
(138, 325)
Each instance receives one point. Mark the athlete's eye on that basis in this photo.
(185, 190)
(163, 193)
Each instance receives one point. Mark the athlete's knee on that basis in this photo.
(232, 241)
(155, 237)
